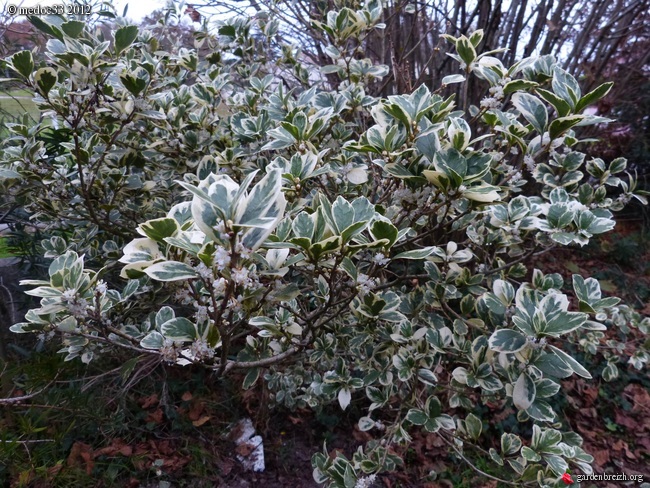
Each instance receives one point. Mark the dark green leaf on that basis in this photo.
(73, 28)
(45, 79)
(593, 96)
(158, 229)
(518, 85)
(23, 63)
(124, 37)
(133, 84)
(559, 126)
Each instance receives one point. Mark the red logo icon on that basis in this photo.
(566, 477)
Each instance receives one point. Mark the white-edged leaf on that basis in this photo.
(357, 176)
(164, 315)
(482, 193)
(473, 426)
(578, 368)
(8, 174)
(510, 443)
(344, 397)
(532, 109)
(507, 340)
(416, 416)
(448, 80)
(170, 271)
(523, 394)
(140, 250)
(416, 253)
(557, 464)
(179, 329)
(366, 423)
(153, 340)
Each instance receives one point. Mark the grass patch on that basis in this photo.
(5, 251)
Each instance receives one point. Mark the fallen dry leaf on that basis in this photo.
(118, 446)
(601, 457)
(201, 421)
(149, 401)
(54, 470)
(81, 454)
(196, 411)
(626, 421)
(156, 416)
(225, 466)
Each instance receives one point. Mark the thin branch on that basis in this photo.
(20, 399)
(518, 260)
(479, 471)
(261, 362)
(35, 441)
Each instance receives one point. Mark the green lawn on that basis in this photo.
(13, 105)
(17, 92)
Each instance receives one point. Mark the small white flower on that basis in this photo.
(380, 259)
(183, 295)
(235, 304)
(221, 258)
(203, 271)
(345, 169)
(529, 162)
(219, 286)
(240, 276)
(496, 92)
(243, 251)
(69, 295)
(366, 481)
(78, 308)
(490, 102)
(101, 287)
(365, 284)
(201, 350)
(201, 314)
(169, 351)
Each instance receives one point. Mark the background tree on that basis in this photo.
(212, 208)
(584, 35)
(593, 40)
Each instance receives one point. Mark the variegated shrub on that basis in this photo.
(337, 246)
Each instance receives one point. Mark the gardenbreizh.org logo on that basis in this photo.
(579, 478)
